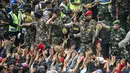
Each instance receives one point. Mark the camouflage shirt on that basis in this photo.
(29, 35)
(3, 27)
(83, 17)
(115, 37)
(56, 32)
(57, 28)
(123, 5)
(87, 33)
(41, 31)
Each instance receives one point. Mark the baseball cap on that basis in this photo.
(38, 14)
(101, 60)
(41, 46)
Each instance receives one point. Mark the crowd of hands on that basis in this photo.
(36, 54)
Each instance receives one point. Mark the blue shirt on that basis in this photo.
(13, 1)
(105, 1)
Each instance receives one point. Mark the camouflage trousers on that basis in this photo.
(57, 40)
(28, 39)
(118, 52)
(2, 33)
(85, 46)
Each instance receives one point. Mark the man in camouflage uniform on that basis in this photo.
(3, 22)
(125, 43)
(103, 9)
(30, 32)
(116, 35)
(41, 29)
(38, 30)
(86, 31)
(55, 28)
(68, 18)
(123, 12)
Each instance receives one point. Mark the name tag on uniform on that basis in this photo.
(75, 28)
(23, 30)
(13, 29)
(105, 1)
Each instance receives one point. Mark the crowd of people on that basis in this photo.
(64, 36)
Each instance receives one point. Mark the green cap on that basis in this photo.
(116, 22)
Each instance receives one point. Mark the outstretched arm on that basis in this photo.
(125, 40)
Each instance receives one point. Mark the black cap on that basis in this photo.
(50, 9)
(27, 9)
(14, 6)
(69, 11)
(38, 14)
(56, 10)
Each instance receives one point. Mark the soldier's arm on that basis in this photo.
(3, 22)
(98, 28)
(26, 24)
(95, 3)
(69, 24)
(125, 41)
(50, 21)
(77, 35)
(105, 26)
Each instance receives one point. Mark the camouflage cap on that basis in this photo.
(116, 22)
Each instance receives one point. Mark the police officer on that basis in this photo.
(40, 6)
(15, 20)
(65, 6)
(75, 4)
